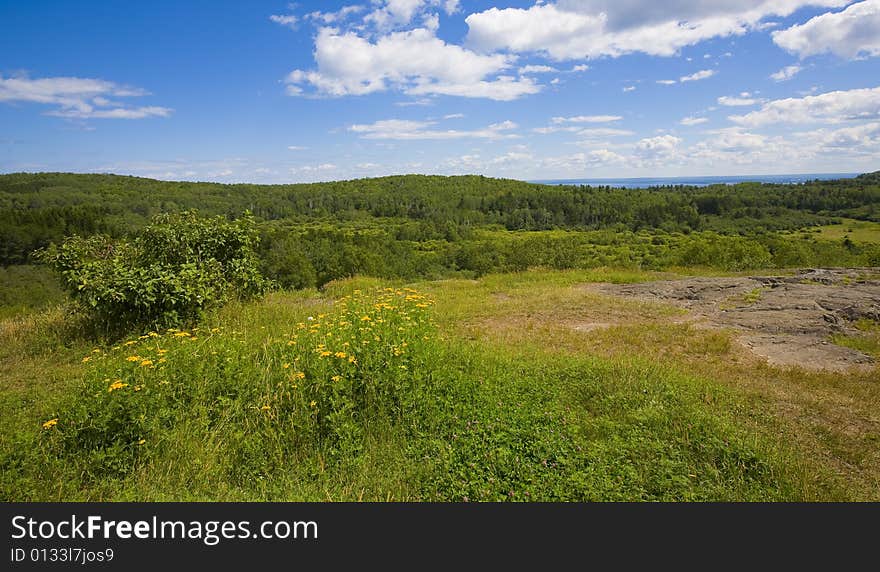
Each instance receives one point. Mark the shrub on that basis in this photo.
(179, 265)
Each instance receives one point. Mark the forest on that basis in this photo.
(432, 226)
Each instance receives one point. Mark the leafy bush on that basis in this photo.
(176, 267)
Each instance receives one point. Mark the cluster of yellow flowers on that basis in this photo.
(328, 349)
(116, 385)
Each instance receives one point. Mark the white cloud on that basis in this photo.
(702, 74)
(851, 33)
(831, 107)
(78, 98)
(424, 101)
(556, 129)
(603, 132)
(580, 68)
(651, 150)
(287, 20)
(333, 17)
(114, 113)
(744, 99)
(688, 121)
(575, 29)
(666, 81)
(537, 69)
(296, 148)
(859, 139)
(392, 13)
(629, 88)
(406, 130)
(786, 73)
(454, 116)
(587, 119)
(351, 65)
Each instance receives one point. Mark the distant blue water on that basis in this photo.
(643, 182)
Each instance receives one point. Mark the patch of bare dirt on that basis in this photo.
(788, 320)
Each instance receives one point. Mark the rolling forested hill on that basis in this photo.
(417, 225)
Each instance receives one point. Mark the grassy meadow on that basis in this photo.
(446, 390)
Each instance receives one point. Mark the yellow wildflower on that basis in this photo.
(133, 358)
(130, 343)
(142, 441)
(116, 385)
(265, 408)
(313, 403)
(96, 351)
(50, 423)
(341, 355)
(299, 375)
(366, 319)
(336, 378)
(138, 387)
(87, 358)
(181, 334)
(146, 362)
(285, 366)
(325, 354)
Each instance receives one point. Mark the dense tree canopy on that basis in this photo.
(416, 225)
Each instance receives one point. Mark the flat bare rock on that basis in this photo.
(788, 320)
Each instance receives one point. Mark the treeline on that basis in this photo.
(312, 255)
(38, 209)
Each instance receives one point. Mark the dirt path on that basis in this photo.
(788, 320)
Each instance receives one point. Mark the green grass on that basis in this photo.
(26, 288)
(856, 230)
(487, 394)
(867, 340)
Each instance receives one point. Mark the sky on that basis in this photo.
(279, 92)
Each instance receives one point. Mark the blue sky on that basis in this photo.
(272, 92)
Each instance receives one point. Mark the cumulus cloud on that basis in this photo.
(407, 130)
(78, 98)
(391, 13)
(786, 73)
(576, 29)
(349, 64)
(831, 107)
(863, 139)
(657, 147)
(851, 33)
